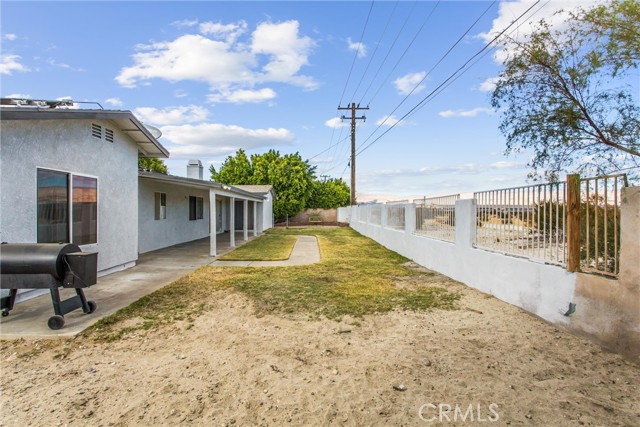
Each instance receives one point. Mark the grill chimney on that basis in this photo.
(194, 169)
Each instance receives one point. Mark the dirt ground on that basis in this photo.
(487, 363)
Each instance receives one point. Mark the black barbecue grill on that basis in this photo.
(48, 266)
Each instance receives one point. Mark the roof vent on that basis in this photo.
(96, 131)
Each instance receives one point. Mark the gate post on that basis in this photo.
(573, 222)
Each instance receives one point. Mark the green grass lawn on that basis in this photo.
(356, 277)
(268, 247)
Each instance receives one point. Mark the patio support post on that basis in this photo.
(232, 222)
(212, 223)
(245, 219)
(255, 219)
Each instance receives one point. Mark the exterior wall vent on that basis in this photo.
(108, 135)
(96, 131)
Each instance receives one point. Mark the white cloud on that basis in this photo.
(185, 23)
(172, 115)
(357, 47)
(243, 96)
(288, 53)
(489, 84)
(11, 63)
(180, 93)
(389, 121)
(335, 123)
(74, 106)
(55, 63)
(510, 10)
(214, 139)
(18, 96)
(9, 37)
(227, 32)
(116, 102)
(189, 57)
(468, 113)
(408, 82)
(226, 64)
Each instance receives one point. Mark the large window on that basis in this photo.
(67, 208)
(196, 208)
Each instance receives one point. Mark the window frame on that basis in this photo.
(70, 203)
(196, 208)
(159, 214)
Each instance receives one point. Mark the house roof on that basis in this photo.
(224, 189)
(148, 145)
(257, 189)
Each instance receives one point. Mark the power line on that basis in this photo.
(451, 76)
(384, 60)
(355, 56)
(405, 52)
(376, 49)
(428, 73)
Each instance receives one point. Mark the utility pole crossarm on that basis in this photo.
(353, 117)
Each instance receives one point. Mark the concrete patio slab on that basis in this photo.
(115, 291)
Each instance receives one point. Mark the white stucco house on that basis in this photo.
(71, 175)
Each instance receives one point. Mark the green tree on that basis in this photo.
(566, 94)
(329, 194)
(290, 176)
(235, 170)
(152, 164)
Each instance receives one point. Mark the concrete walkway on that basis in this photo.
(115, 291)
(304, 252)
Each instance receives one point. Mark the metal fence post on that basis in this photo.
(573, 222)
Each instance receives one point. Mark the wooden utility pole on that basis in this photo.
(353, 118)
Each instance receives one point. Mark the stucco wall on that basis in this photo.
(541, 289)
(267, 212)
(324, 215)
(67, 145)
(607, 310)
(176, 228)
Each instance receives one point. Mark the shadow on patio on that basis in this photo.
(153, 270)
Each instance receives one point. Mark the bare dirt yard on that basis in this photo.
(230, 367)
(230, 363)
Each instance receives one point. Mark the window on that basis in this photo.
(56, 221)
(196, 208)
(161, 205)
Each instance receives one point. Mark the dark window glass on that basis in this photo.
(53, 206)
(199, 207)
(196, 207)
(85, 210)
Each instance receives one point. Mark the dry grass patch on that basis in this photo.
(268, 247)
(356, 277)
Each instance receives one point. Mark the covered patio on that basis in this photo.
(175, 210)
(115, 291)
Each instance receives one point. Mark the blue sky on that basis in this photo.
(218, 76)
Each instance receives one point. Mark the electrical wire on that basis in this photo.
(388, 116)
(451, 76)
(404, 53)
(375, 50)
(355, 55)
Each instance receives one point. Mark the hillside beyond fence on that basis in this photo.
(548, 248)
